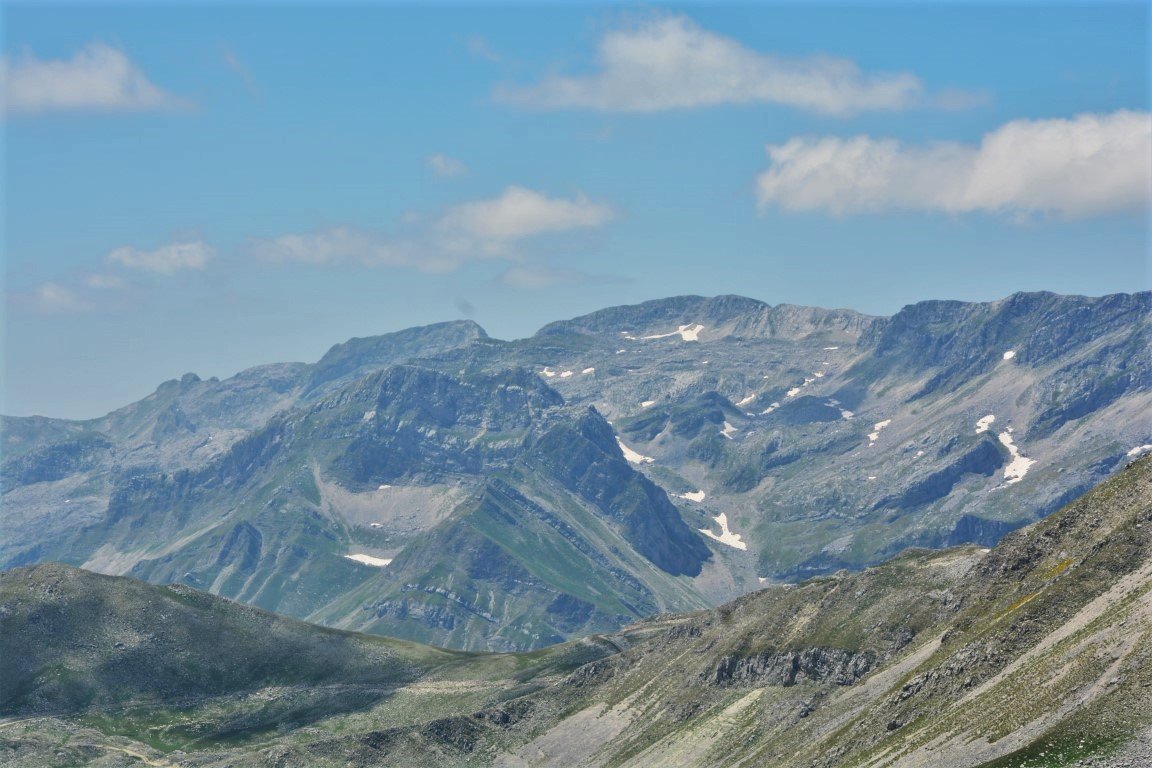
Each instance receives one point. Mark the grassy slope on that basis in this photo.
(1038, 651)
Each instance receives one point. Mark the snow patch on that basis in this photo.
(686, 332)
(1009, 354)
(1019, 466)
(383, 487)
(647, 403)
(983, 424)
(621, 351)
(632, 456)
(375, 562)
(1139, 450)
(692, 496)
(548, 372)
(726, 536)
(746, 400)
(728, 430)
(844, 414)
(368, 416)
(566, 374)
(769, 409)
(874, 435)
(796, 390)
(588, 370)
(762, 579)
(831, 349)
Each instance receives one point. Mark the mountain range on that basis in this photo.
(441, 486)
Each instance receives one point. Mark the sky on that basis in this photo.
(207, 187)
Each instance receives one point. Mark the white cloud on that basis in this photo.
(97, 78)
(1087, 165)
(166, 259)
(671, 62)
(478, 230)
(518, 213)
(446, 167)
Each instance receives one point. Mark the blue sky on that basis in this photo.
(208, 187)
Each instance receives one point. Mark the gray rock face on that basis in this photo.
(818, 665)
(490, 477)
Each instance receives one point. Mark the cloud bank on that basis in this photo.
(1083, 166)
(483, 229)
(672, 63)
(97, 78)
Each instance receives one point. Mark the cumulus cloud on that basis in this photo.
(518, 213)
(446, 167)
(166, 259)
(671, 62)
(1087, 165)
(477, 230)
(97, 78)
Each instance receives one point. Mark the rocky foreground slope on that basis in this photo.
(1037, 652)
(446, 487)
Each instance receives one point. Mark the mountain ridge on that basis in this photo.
(716, 444)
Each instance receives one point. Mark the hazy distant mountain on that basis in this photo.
(659, 457)
(1034, 653)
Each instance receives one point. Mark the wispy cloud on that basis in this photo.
(102, 281)
(347, 245)
(1084, 166)
(480, 47)
(535, 276)
(50, 298)
(117, 281)
(492, 228)
(446, 167)
(97, 78)
(232, 61)
(671, 62)
(166, 259)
